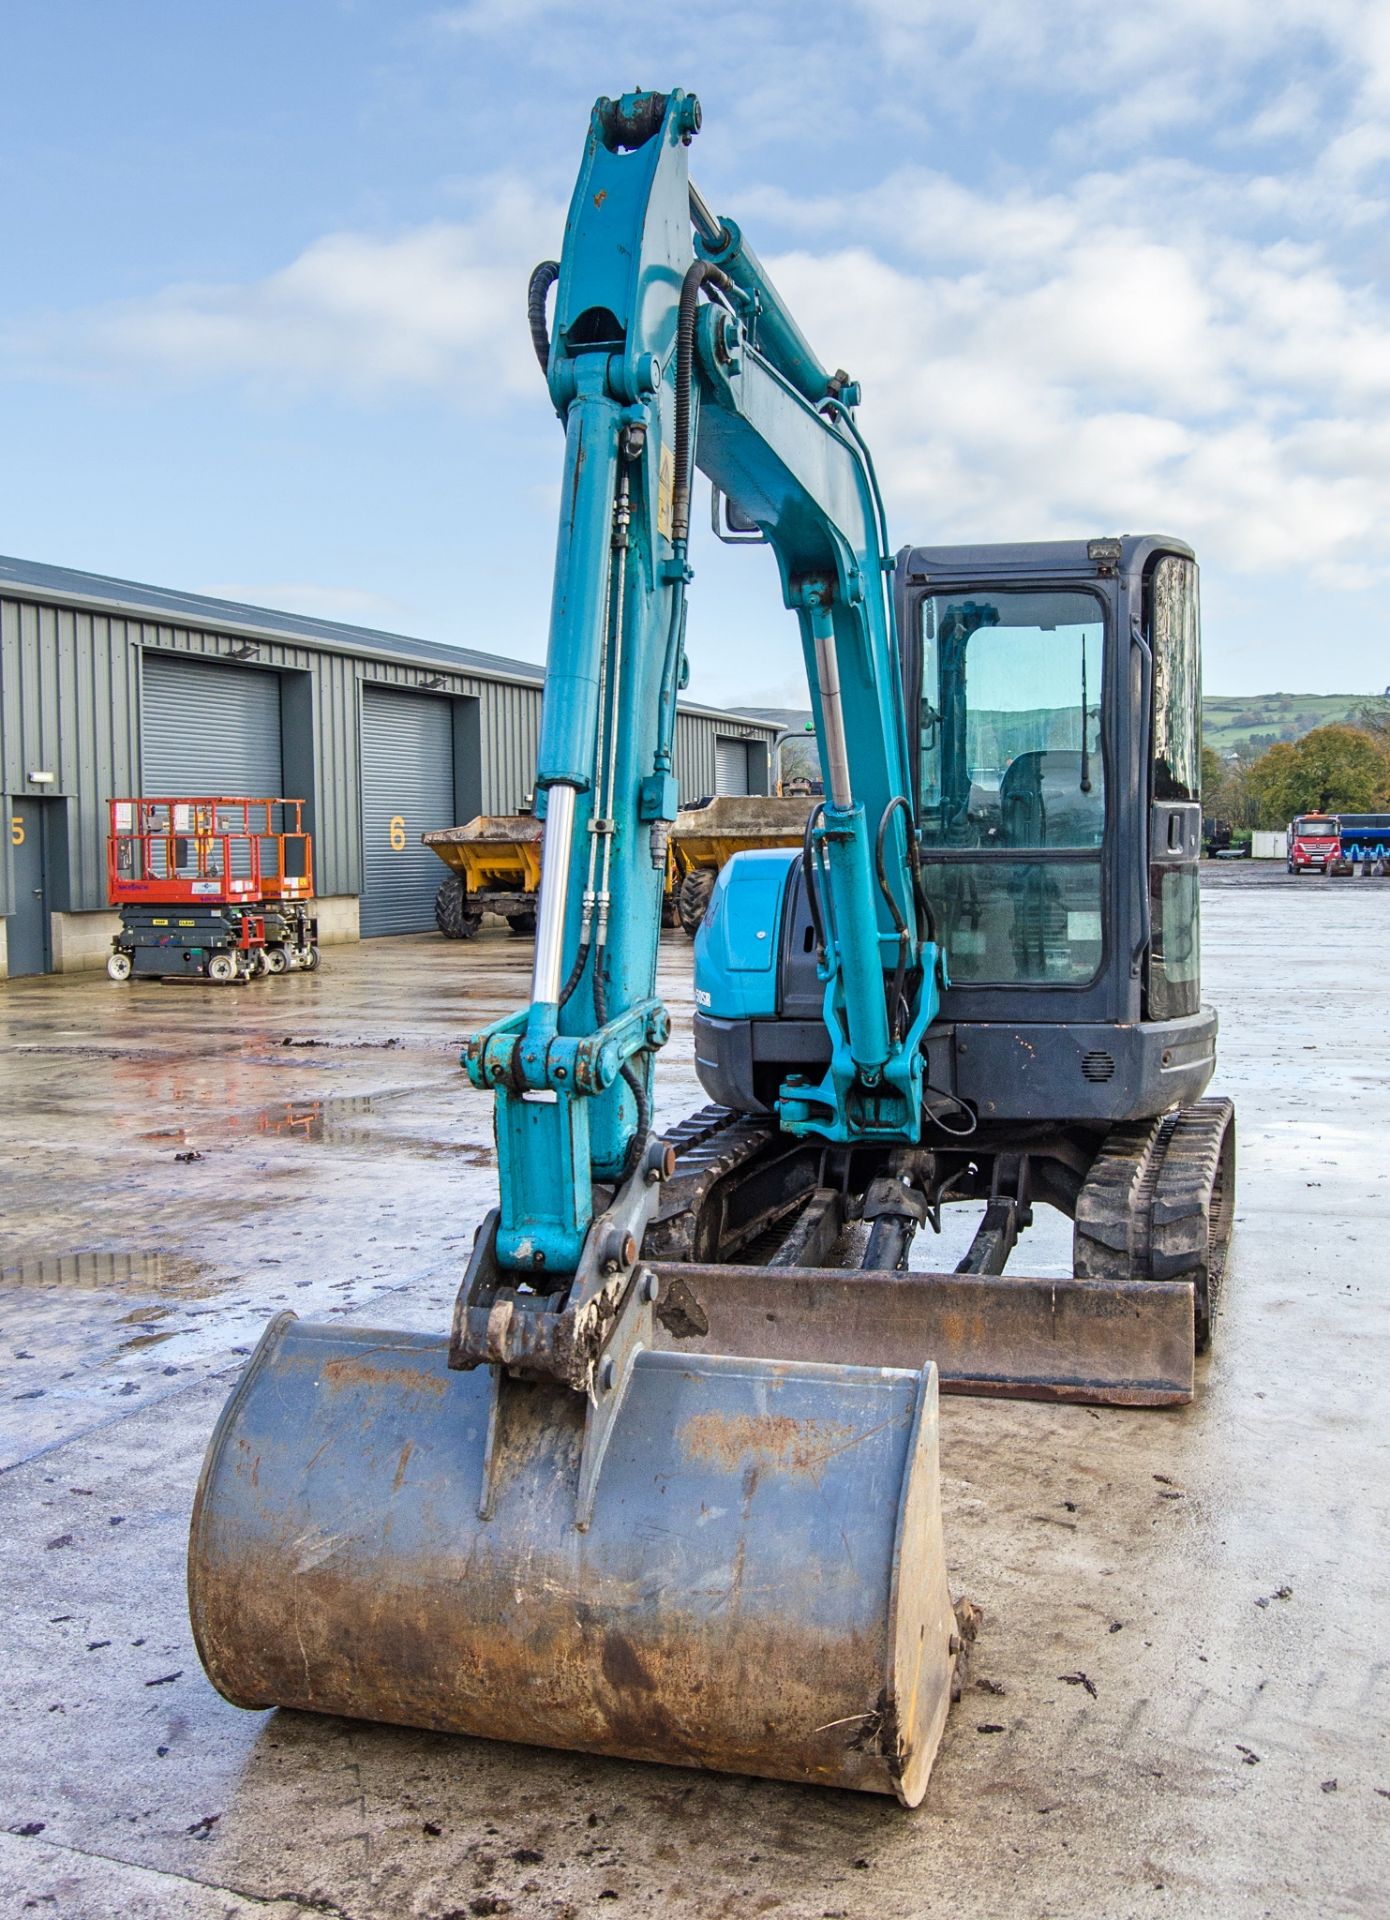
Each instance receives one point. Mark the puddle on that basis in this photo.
(120, 1272)
(312, 1119)
(334, 1120)
(160, 1056)
(317, 1119)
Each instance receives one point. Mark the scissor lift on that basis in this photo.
(218, 886)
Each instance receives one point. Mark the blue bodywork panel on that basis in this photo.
(739, 941)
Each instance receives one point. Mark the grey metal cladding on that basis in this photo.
(175, 609)
(71, 648)
(69, 703)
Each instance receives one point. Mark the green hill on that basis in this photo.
(1230, 721)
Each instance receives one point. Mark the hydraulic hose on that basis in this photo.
(904, 937)
(637, 1145)
(880, 863)
(808, 869)
(702, 273)
(576, 973)
(542, 280)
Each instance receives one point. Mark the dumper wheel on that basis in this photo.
(451, 914)
(694, 897)
(523, 923)
(670, 911)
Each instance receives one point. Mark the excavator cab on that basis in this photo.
(1055, 694)
(1058, 796)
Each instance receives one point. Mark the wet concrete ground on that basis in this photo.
(1219, 1575)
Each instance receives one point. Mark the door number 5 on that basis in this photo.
(397, 833)
(17, 831)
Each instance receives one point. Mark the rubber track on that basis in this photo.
(710, 1145)
(1157, 1204)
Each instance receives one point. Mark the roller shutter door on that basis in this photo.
(208, 728)
(730, 766)
(407, 789)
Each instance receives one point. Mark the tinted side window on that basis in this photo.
(1177, 704)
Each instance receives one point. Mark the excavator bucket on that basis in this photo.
(759, 1586)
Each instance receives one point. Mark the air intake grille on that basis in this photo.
(1097, 1064)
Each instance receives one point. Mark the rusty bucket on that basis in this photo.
(761, 1587)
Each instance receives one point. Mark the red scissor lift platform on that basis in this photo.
(215, 885)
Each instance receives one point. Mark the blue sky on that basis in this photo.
(1098, 269)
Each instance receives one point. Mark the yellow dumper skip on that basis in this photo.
(494, 867)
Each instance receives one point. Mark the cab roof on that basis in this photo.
(1038, 559)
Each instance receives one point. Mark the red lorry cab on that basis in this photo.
(1313, 843)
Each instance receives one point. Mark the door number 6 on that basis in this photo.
(397, 833)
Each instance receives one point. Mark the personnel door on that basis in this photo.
(30, 930)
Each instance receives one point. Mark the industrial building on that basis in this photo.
(109, 688)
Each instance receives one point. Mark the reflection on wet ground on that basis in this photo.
(325, 1120)
(120, 1272)
(307, 1119)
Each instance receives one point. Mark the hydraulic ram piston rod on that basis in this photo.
(550, 913)
(832, 709)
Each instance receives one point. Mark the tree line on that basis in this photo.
(1344, 768)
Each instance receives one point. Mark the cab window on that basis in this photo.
(1012, 782)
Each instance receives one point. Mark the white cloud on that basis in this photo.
(353, 604)
(1156, 342)
(489, 17)
(1100, 361)
(438, 308)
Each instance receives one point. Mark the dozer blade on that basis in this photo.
(1090, 1342)
(761, 1587)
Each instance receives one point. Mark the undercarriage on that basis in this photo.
(762, 1238)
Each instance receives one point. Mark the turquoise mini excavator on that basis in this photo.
(669, 1487)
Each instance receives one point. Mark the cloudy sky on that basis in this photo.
(1098, 268)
